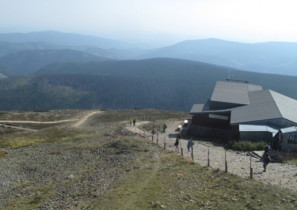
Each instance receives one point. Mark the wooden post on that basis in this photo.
(182, 151)
(153, 132)
(192, 153)
(251, 169)
(208, 161)
(226, 165)
(157, 138)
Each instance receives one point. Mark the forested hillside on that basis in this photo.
(154, 83)
(28, 62)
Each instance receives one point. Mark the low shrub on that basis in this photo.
(248, 145)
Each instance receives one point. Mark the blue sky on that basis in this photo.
(147, 20)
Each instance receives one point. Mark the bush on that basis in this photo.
(248, 145)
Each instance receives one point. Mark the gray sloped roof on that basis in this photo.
(233, 92)
(286, 105)
(259, 106)
(289, 129)
(258, 128)
(265, 105)
(204, 108)
(197, 108)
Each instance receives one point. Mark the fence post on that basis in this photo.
(208, 161)
(251, 169)
(164, 144)
(192, 153)
(226, 164)
(153, 132)
(182, 151)
(157, 138)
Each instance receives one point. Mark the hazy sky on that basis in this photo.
(238, 20)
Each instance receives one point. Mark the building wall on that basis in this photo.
(204, 120)
(217, 105)
(289, 141)
(210, 132)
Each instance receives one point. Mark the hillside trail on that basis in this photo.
(85, 118)
(37, 122)
(155, 166)
(78, 122)
(238, 163)
(17, 127)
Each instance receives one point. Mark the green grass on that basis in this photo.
(293, 161)
(156, 124)
(171, 182)
(112, 116)
(150, 177)
(248, 145)
(32, 198)
(47, 115)
(52, 134)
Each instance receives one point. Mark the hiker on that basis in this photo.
(153, 130)
(177, 142)
(130, 122)
(266, 157)
(134, 121)
(164, 126)
(190, 145)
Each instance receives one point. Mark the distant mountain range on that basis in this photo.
(64, 39)
(30, 61)
(53, 70)
(270, 57)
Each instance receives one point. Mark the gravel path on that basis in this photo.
(85, 118)
(78, 122)
(284, 175)
(37, 122)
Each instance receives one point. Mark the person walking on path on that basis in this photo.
(176, 144)
(134, 122)
(164, 126)
(266, 157)
(190, 145)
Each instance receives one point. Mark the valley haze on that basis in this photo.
(55, 70)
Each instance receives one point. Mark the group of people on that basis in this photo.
(132, 122)
(265, 157)
(190, 143)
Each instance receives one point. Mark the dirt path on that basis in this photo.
(78, 122)
(85, 118)
(284, 175)
(17, 127)
(37, 122)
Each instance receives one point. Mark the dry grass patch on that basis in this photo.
(2, 154)
(175, 183)
(32, 198)
(53, 134)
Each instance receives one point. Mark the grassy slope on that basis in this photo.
(152, 178)
(176, 183)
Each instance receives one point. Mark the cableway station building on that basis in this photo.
(238, 110)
